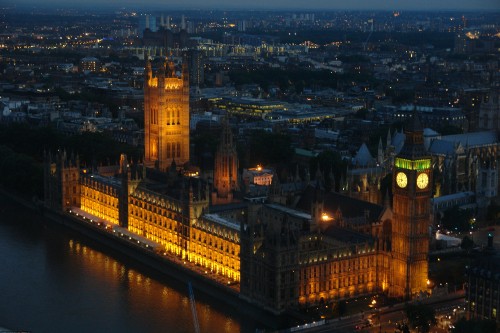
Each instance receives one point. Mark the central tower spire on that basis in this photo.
(166, 116)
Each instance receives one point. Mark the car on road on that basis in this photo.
(365, 324)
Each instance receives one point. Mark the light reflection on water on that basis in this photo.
(52, 280)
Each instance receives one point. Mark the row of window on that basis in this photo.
(338, 267)
(214, 252)
(337, 289)
(158, 206)
(100, 197)
(96, 186)
(219, 231)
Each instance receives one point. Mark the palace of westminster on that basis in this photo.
(295, 249)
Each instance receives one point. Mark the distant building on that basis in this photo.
(147, 22)
(247, 107)
(242, 26)
(196, 61)
(430, 115)
(482, 289)
(466, 162)
(467, 42)
(489, 112)
(90, 64)
(165, 39)
(258, 176)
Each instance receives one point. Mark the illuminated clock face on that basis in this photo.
(422, 181)
(401, 179)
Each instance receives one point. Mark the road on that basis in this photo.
(444, 310)
(448, 308)
(389, 317)
(480, 237)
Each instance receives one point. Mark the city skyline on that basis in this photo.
(447, 5)
(288, 167)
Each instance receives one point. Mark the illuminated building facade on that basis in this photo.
(90, 64)
(166, 116)
(100, 197)
(215, 245)
(322, 248)
(247, 107)
(412, 190)
(258, 176)
(293, 259)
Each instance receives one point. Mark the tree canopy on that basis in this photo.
(266, 148)
(457, 219)
(21, 173)
(474, 326)
(420, 316)
(99, 148)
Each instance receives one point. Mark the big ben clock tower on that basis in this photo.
(412, 190)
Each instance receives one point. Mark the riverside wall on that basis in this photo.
(167, 266)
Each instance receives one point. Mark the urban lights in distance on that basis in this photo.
(401, 179)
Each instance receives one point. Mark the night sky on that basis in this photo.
(451, 5)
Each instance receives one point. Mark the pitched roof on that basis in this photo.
(333, 201)
(441, 147)
(473, 139)
(398, 140)
(347, 235)
(363, 156)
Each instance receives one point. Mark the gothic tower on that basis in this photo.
(166, 116)
(226, 165)
(61, 180)
(412, 191)
(123, 194)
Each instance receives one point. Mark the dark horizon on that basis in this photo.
(281, 5)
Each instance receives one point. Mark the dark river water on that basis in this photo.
(54, 280)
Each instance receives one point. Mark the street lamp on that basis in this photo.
(324, 217)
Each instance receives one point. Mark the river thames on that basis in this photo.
(55, 280)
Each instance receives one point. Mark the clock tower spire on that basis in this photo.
(411, 215)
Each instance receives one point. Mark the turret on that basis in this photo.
(380, 152)
(317, 207)
(148, 72)
(331, 175)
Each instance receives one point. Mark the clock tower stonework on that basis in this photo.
(412, 191)
(166, 116)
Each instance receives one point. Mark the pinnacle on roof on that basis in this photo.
(414, 124)
(413, 146)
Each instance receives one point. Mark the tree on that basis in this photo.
(475, 326)
(457, 219)
(493, 211)
(22, 173)
(338, 309)
(267, 148)
(467, 243)
(420, 316)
